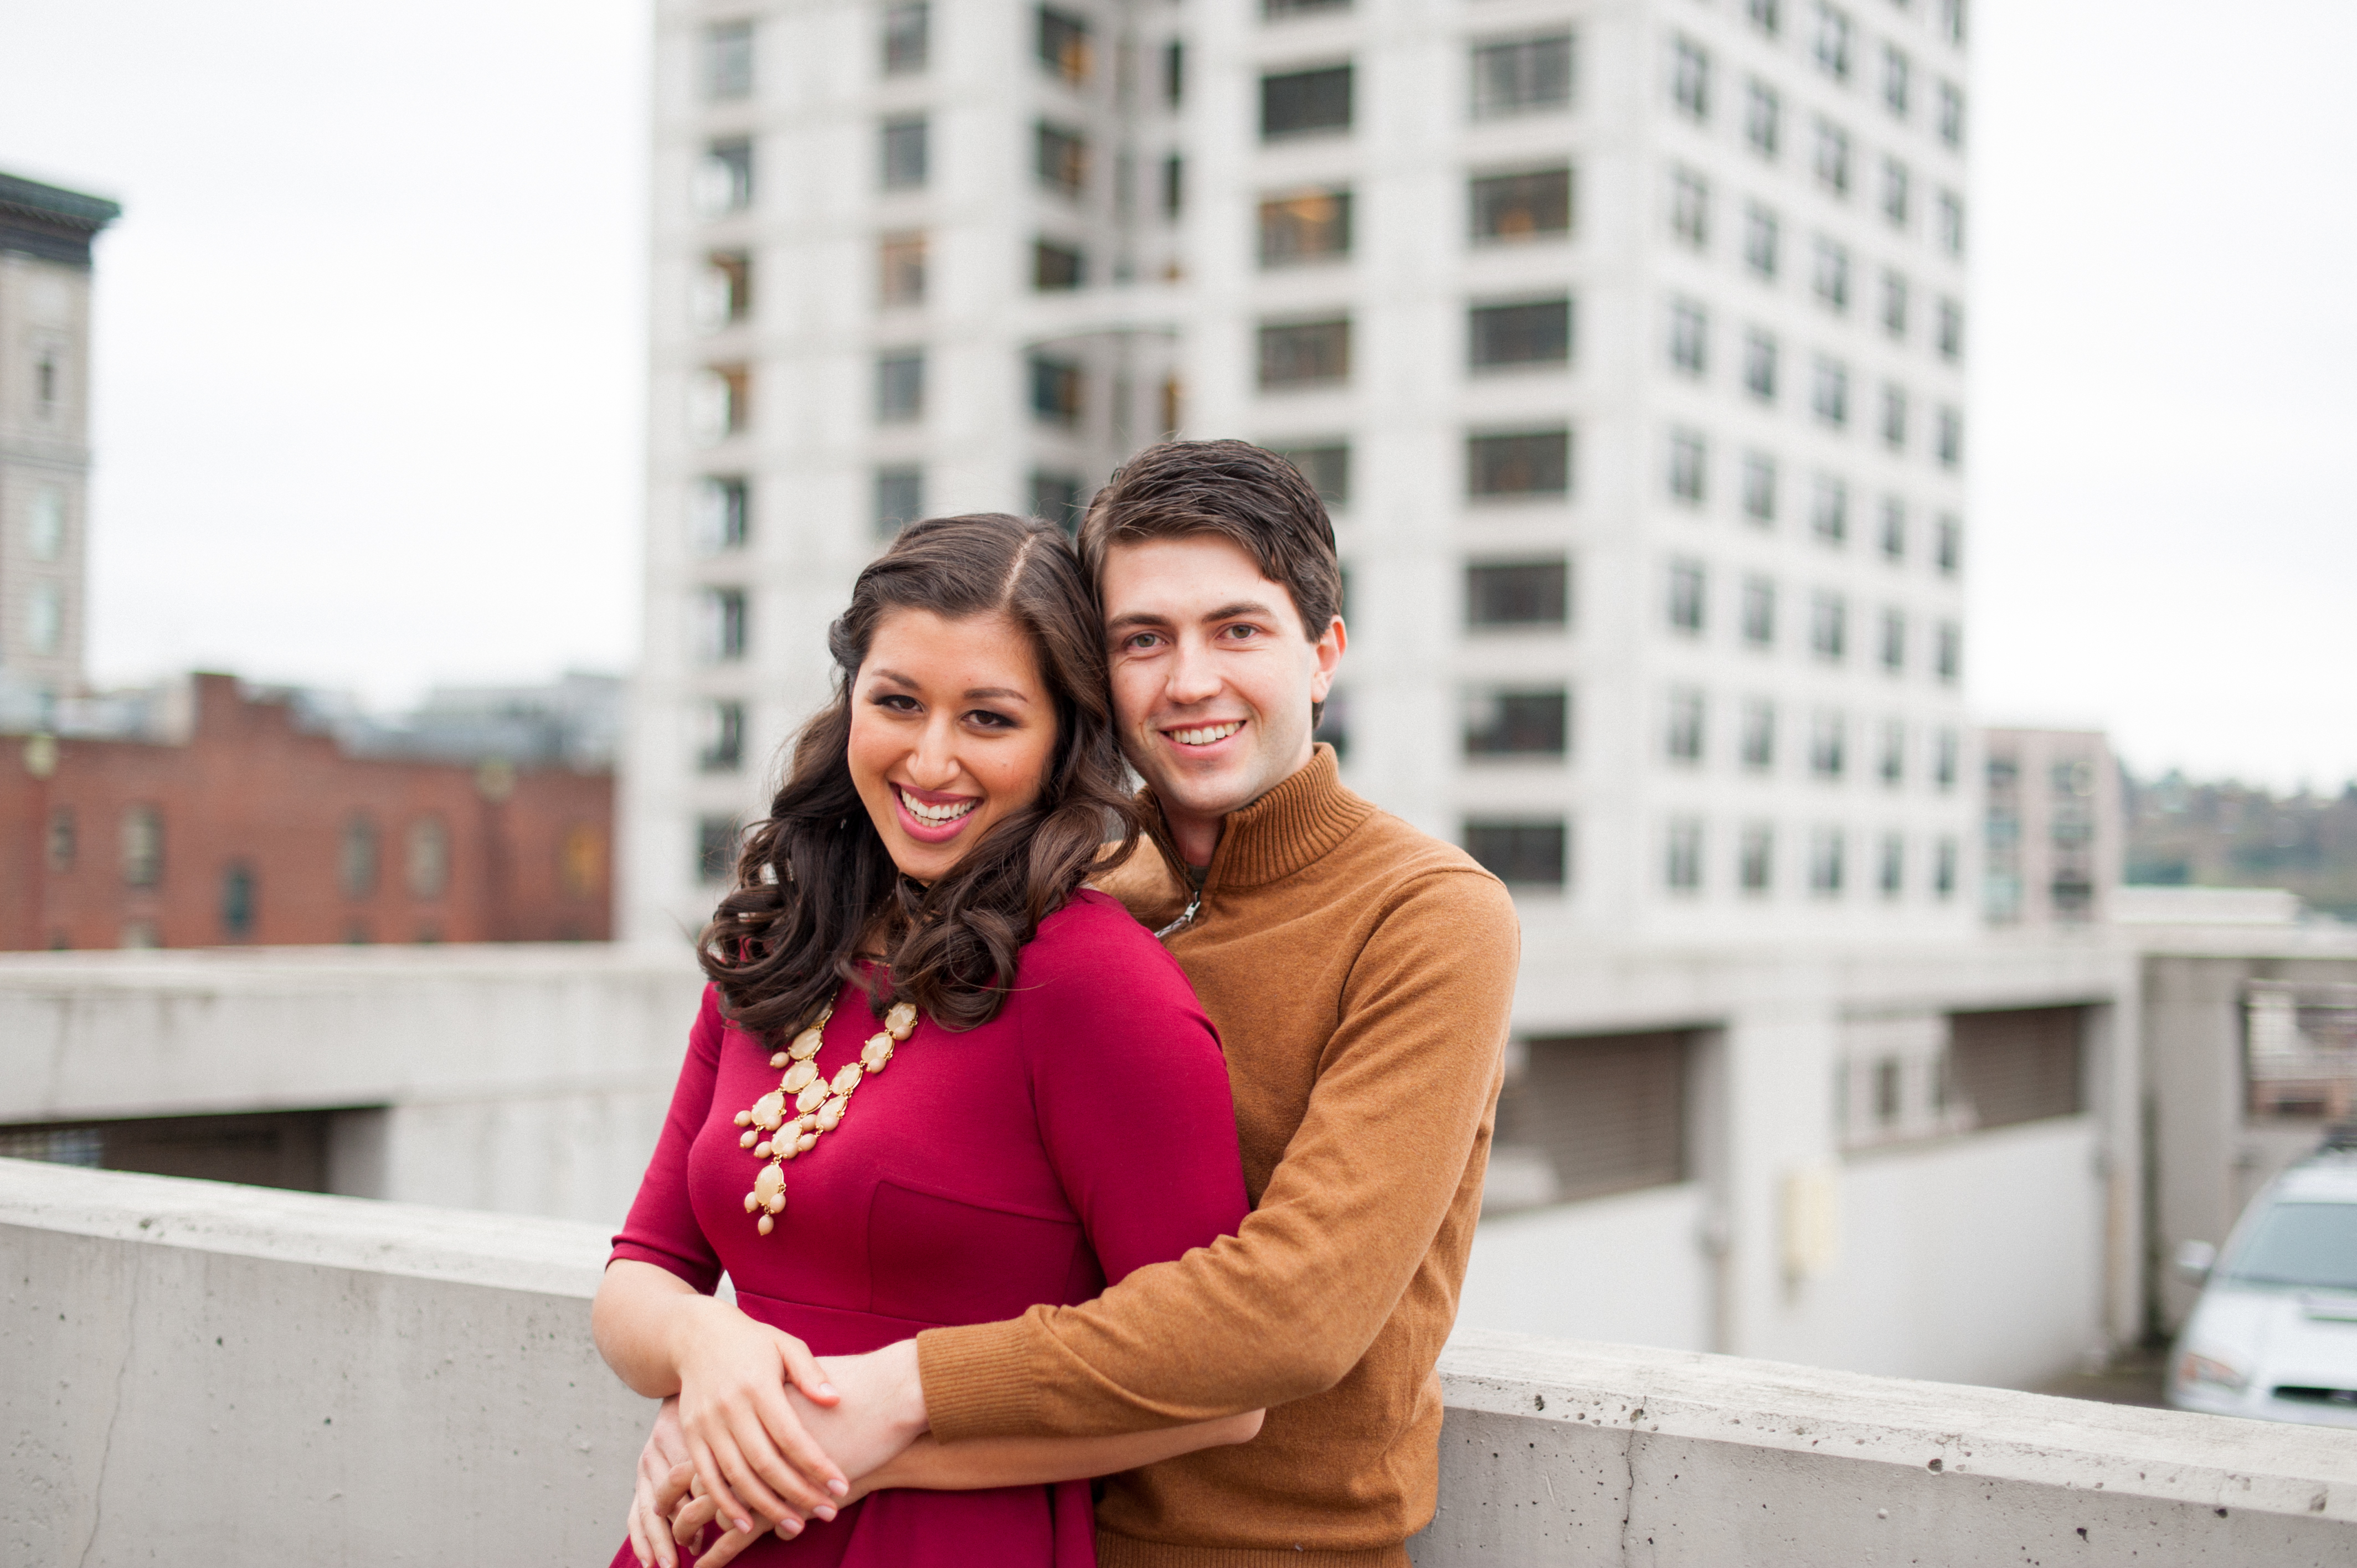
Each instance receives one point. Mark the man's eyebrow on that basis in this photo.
(1137, 617)
(1240, 609)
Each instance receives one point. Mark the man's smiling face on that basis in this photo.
(1213, 677)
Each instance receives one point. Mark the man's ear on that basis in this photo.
(1327, 651)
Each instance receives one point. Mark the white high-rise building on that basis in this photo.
(1625, 338)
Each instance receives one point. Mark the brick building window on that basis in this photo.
(241, 898)
(143, 846)
(428, 863)
(61, 842)
(357, 856)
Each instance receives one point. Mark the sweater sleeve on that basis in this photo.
(1286, 1306)
(1131, 1093)
(661, 1229)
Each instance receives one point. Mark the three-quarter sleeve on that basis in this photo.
(661, 1229)
(1130, 1090)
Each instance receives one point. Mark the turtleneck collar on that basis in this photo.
(1282, 831)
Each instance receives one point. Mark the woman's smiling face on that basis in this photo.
(952, 729)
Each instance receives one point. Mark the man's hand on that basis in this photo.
(664, 1474)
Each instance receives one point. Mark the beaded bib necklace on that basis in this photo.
(775, 1135)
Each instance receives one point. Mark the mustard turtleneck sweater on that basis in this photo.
(1361, 974)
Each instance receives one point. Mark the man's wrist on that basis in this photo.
(907, 1397)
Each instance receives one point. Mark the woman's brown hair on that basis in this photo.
(815, 878)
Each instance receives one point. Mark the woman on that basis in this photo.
(934, 1081)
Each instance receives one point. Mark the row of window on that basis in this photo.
(1829, 399)
(1536, 853)
(1831, 273)
(425, 859)
(1687, 728)
(1693, 83)
(1687, 600)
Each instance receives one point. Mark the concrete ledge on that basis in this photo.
(202, 1373)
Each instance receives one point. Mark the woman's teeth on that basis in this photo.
(1207, 734)
(936, 816)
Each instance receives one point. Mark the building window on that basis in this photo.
(900, 497)
(45, 523)
(1829, 627)
(1305, 102)
(1689, 337)
(1952, 114)
(1055, 267)
(1894, 303)
(1831, 280)
(1952, 20)
(1063, 44)
(1517, 722)
(728, 60)
(722, 519)
(1326, 467)
(1174, 73)
(1690, 208)
(1891, 879)
(1278, 10)
(900, 270)
(1519, 853)
(357, 856)
(1950, 442)
(723, 292)
(900, 387)
(1952, 330)
(1951, 223)
(1759, 487)
(1683, 735)
(1763, 119)
(1500, 594)
(143, 846)
(1825, 847)
(1534, 463)
(1174, 186)
(1056, 497)
(1055, 391)
(1834, 39)
(1760, 364)
(1687, 586)
(1532, 332)
(1893, 766)
(905, 153)
(1755, 858)
(1945, 765)
(721, 403)
(1758, 617)
(1948, 657)
(1690, 78)
(716, 848)
(2016, 1067)
(1949, 553)
(720, 631)
(427, 864)
(1833, 158)
(239, 899)
(1894, 529)
(1944, 870)
(1758, 736)
(908, 37)
(1894, 417)
(1312, 226)
(1521, 206)
(1689, 465)
(1829, 509)
(1898, 81)
(1060, 159)
(45, 618)
(1682, 863)
(1768, 15)
(1760, 233)
(724, 181)
(1895, 188)
(61, 841)
(1587, 1117)
(721, 748)
(1829, 392)
(1519, 76)
(1305, 354)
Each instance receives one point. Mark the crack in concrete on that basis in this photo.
(1629, 1482)
(114, 1411)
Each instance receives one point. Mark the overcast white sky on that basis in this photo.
(370, 346)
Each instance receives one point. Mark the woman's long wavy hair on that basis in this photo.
(814, 880)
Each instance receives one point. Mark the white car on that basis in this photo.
(2274, 1334)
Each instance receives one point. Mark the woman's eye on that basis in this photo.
(989, 720)
(894, 702)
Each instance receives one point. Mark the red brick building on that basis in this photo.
(255, 829)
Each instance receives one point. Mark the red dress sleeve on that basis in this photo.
(662, 1228)
(1130, 1090)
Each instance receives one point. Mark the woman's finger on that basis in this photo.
(710, 1470)
(726, 1549)
(797, 1448)
(674, 1487)
(689, 1522)
(751, 1466)
(755, 1433)
(802, 1369)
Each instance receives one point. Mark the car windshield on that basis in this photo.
(2307, 1244)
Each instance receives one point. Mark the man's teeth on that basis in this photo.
(936, 816)
(1207, 734)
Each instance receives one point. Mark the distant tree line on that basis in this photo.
(2184, 833)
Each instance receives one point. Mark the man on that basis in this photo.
(1361, 974)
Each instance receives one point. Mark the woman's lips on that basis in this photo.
(932, 826)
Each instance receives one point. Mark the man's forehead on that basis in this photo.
(1183, 577)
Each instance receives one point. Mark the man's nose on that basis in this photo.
(1194, 674)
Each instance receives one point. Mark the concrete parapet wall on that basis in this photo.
(206, 1373)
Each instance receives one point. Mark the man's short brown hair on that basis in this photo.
(1236, 492)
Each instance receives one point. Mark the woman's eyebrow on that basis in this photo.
(1007, 693)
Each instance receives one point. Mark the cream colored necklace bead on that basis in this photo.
(818, 1103)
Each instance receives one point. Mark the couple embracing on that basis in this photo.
(1084, 1201)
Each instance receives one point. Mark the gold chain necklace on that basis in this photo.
(818, 1103)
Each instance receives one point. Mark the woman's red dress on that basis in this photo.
(1086, 1131)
